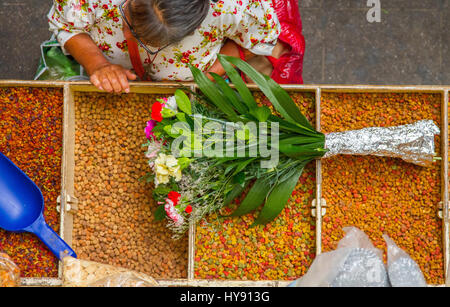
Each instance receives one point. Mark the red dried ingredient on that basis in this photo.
(384, 195)
(281, 250)
(31, 136)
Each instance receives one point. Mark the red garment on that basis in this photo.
(288, 69)
(133, 51)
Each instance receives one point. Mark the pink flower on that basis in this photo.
(172, 213)
(153, 150)
(148, 130)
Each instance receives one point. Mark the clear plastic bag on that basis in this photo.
(355, 263)
(9, 272)
(403, 271)
(83, 273)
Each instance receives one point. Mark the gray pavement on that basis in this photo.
(411, 44)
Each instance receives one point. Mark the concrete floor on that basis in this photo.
(411, 44)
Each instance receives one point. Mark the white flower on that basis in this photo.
(171, 161)
(166, 166)
(171, 103)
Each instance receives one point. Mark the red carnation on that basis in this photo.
(174, 197)
(156, 111)
(188, 209)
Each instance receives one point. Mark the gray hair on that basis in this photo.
(162, 22)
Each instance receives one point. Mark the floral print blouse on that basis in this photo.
(252, 24)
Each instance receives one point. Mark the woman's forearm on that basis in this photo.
(86, 52)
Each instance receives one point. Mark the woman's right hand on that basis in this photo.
(104, 75)
(112, 78)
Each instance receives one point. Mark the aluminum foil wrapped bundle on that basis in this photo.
(413, 143)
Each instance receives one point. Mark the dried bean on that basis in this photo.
(109, 162)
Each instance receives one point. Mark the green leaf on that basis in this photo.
(278, 197)
(288, 104)
(167, 113)
(237, 81)
(239, 178)
(235, 192)
(162, 191)
(314, 149)
(299, 140)
(209, 89)
(183, 102)
(280, 99)
(181, 117)
(222, 161)
(160, 213)
(261, 113)
(243, 165)
(230, 167)
(184, 162)
(292, 127)
(254, 198)
(229, 93)
(168, 130)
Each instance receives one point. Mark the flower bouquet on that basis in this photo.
(204, 151)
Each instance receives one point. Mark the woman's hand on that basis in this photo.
(112, 78)
(104, 75)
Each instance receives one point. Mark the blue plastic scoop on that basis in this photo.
(22, 208)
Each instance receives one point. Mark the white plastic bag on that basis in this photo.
(83, 273)
(355, 263)
(403, 271)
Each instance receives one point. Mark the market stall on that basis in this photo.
(88, 145)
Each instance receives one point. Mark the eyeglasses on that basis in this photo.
(134, 33)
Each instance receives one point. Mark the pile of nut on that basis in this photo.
(114, 223)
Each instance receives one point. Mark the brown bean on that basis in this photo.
(109, 157)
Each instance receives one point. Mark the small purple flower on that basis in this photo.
(148, 130)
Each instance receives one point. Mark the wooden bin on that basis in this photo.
(441, 207)
(68, 200)
(320, 206)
